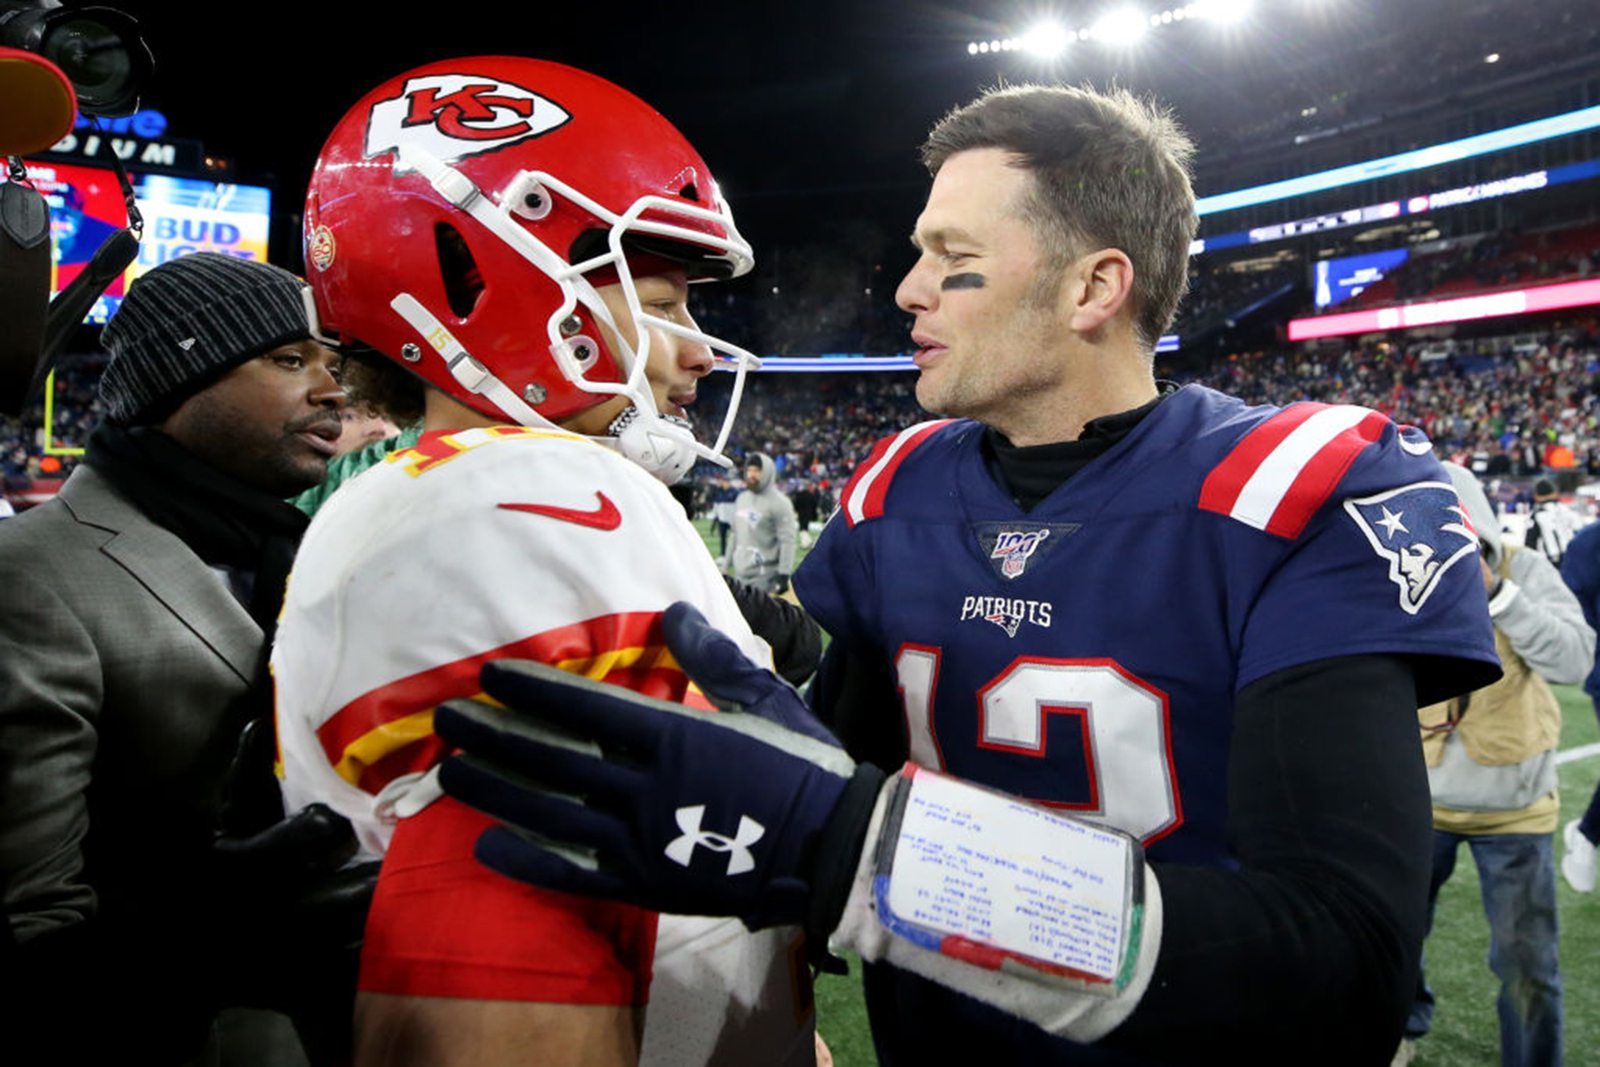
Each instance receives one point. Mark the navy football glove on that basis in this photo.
(733, 683)
(608, 793)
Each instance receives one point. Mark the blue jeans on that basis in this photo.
(1518, 878)
(1589, 825)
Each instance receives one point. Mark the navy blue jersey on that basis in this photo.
(1086, 654)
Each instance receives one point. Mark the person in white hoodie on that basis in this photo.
(1492, 773)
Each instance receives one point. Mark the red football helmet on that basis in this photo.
(461, 214)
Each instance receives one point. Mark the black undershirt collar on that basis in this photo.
(1030, 473)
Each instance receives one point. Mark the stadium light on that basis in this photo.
(1492, 57)
(1220, 10)
(1121, 28)
(1046, 40)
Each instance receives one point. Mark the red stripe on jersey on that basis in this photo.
(1321, 476)
(626, 648)
(410, 759)
(882, 473)
(663, 683)
(1227, 479)
(867, 464)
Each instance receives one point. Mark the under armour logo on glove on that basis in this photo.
(740, 858)
(604, 792)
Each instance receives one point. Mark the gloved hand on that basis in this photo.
(263, 914)
(286, 915)
(608, 793)
(731, 681)
(780, 584)
(295, 863)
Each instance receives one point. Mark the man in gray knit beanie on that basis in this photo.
(221, 354)
(186, 322)
(139, 606)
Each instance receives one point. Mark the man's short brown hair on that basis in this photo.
(1110, 171)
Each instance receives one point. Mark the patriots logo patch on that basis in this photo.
(457, 115)
(1009, 546)
(1421, 530)
(1006, 612)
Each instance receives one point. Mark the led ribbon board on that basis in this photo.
(1404, 162)
(1461, 309)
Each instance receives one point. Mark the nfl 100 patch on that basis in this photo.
(1009, 546)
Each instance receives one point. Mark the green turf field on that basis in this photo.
(1465, 1033)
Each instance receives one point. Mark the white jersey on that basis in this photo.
(504, 542)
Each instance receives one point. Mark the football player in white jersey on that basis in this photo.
(519, 237)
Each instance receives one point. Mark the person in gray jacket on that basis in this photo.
(151, 886)
(761, 550)
(1492, 773)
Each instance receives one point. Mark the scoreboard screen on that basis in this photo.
(181, 215)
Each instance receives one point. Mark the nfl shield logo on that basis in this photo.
(1013, 547)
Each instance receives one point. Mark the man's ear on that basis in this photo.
(1099, 286)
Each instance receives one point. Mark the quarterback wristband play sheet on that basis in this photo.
(1008, 885)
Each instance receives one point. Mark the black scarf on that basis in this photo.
(223, 521)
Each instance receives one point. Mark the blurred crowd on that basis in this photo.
(1504, 406)
(1498, 261)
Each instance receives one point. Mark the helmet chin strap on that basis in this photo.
(468, 372)
(661, 444)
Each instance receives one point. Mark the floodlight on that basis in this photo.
(1492, 57)
(1045, 40)
(1220, 10)
(972, 48)
(1121, 27)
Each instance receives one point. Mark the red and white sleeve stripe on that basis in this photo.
(1279, 474)
(869, 486)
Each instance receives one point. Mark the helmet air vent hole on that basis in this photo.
(463, 282)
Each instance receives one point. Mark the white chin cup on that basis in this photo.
(663, 448)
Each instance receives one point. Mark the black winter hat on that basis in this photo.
(185, 323)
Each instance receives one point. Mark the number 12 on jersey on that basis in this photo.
(1106, 727)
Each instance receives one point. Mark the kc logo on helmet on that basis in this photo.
(457, 115)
